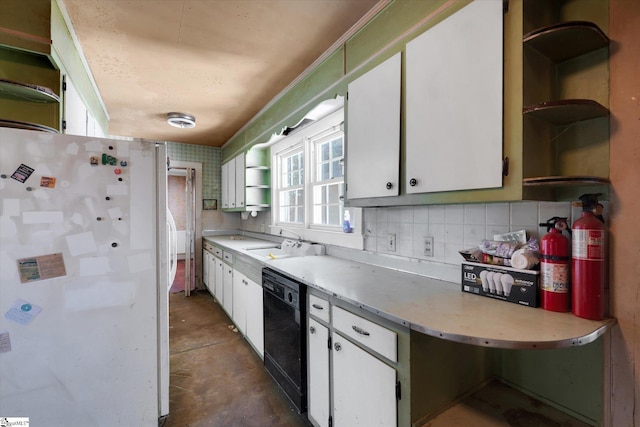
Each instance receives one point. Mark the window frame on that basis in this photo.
(308, 141)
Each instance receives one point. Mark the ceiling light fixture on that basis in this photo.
(181, 120)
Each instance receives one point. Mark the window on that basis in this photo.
(308, 184)
(291, 188)
(328, 185)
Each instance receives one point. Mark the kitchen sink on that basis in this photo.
(271, 253)
(288, 249)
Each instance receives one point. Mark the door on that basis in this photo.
(239, 180)
(364, 388)
(184, 204)
(454, 102)
(255, 320)
(318, 337)
(227, 292)
(219, 279)
(373, 132)
(240, 285)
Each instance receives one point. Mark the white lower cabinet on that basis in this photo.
(364, 388)
(218, 280)
(248, 310)
(205, 268)
(352, 380)
(240, 285)
(255, 319)
(318, 378)
(227, 289)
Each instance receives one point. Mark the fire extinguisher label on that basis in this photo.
(588, 244)
(554, 277)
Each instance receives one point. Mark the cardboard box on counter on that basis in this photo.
(502, 283)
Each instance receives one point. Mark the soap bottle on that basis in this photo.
(346, 224)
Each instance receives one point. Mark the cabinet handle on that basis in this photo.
(317, 307)
(337, 346)
(389, 185)
(360, 331)
(312, 330)
(413, 182)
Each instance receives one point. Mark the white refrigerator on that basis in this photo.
(83, 280)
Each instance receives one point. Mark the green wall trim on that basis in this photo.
(383, 36)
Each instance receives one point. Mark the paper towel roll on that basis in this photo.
(523, 259)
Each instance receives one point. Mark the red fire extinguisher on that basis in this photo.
(554, 266)
(588, 261)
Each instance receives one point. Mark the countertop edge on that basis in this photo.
(574, 341)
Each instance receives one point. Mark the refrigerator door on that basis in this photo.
(83, 280)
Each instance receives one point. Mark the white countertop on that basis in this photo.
(431, 306)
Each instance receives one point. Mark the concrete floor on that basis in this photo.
(216, 378)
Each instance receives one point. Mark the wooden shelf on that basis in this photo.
(566, 111)
(498, 405)
(26, 125)
(567, 40)
(556, 181)
(27, 92)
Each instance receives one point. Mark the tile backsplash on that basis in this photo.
(455, 227)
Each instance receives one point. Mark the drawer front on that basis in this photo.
(227, 257)
(217, 252)
(208, 247)
(366, 332)
(319, 308)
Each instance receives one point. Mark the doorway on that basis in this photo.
(184, 189)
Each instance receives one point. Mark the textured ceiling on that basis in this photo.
(219, 60)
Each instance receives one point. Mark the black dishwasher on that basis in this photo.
(285, 344)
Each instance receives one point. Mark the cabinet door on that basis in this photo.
(255, 319)
(239, 180)
(211, 274)
(454, 102)
(373, 132)
(219, 279)
(318, 366)
(227, 292)
(224, 175)
(240, 284)
(205, 269)
(75, 111)
(229, 185)
(364, 388)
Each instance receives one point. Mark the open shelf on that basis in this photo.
(27, 92)
(26, 125)
(564, 181)
(566, 111)
(567, 40)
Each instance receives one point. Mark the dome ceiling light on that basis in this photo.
(181, 120)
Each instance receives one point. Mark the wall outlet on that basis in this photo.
(391, 242)
(428, 246)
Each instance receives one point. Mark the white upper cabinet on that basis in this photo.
(239, 181)
(454, 102)
(373, 132)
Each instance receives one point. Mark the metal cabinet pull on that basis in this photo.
(413, 182)
(360, 330)
(337, 346)
(312, 330)
(389, 185)
(317, 307)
